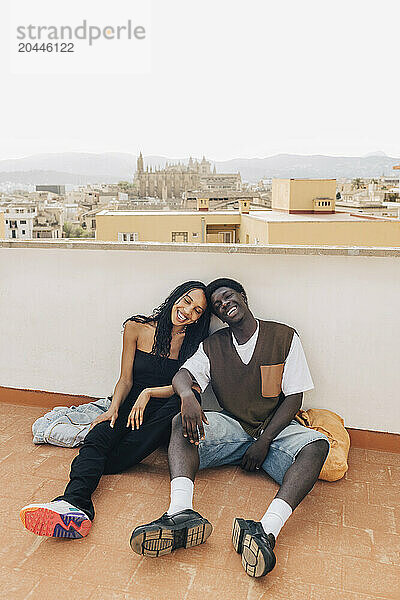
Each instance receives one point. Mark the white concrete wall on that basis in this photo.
(61, 311)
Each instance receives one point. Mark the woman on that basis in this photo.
(139, 418)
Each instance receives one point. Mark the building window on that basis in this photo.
(23, 232)
(179, 236)
(23, 222)
(128, 237)
(93, 223)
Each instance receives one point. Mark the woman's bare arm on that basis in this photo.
(135, 418)
(160, 392)
(125, 381)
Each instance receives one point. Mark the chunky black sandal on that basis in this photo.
(185, 529)
(256, 547)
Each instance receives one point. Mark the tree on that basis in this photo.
(68, 229)
(75, 232)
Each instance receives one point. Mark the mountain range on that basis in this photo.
(77, 168)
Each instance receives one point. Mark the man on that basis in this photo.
(258, 372)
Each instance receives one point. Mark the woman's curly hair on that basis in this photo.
(161, 316)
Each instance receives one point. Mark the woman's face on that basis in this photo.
(189, 307)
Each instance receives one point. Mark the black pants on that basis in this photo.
(113, 450)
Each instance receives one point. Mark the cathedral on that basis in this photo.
(175, 179)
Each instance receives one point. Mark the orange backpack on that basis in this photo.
(329, 423)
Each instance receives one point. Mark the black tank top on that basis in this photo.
(152, 371)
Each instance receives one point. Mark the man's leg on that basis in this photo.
(300, 478)
(294, 460)
(183, 460)
(181, 526)
(224, 444)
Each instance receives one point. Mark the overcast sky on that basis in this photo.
(228, 79)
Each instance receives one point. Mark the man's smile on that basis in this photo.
(231, 311)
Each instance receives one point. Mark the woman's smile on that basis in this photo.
(189, 308)
(180, 316)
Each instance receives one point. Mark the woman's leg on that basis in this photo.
(139, 443)
(88, 467)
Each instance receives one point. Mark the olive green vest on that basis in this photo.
(249, 392)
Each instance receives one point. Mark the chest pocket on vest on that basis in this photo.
(271, 380)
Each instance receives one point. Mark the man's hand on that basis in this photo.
(192, 419)
(255, 455)
(110, 415)
(135, 418)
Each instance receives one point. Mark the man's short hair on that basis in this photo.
(224, 282)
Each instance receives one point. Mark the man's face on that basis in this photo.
(229, 305)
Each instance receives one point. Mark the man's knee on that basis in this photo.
(318, 449)
(323, 447)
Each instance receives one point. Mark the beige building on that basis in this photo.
(256, 227)
(302, 196)
(339, 229)
(175, 179)
(303, 214)
(168, 226)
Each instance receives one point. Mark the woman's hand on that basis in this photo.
(135, 418)
(110, 415)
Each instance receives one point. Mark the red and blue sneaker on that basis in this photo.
(58, 519)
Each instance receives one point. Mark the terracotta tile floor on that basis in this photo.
(342, 543)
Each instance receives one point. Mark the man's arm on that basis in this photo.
(257, 452)
(282, 416)
(191, 411)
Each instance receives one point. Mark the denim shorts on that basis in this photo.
(226, 442)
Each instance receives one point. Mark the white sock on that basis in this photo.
(181, 495)
(276, 516)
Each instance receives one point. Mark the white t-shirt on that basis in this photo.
(296, 376)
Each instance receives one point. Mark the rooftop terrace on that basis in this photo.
(342, 543)
(61, 309)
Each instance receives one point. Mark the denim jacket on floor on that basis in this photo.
(68, 425)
